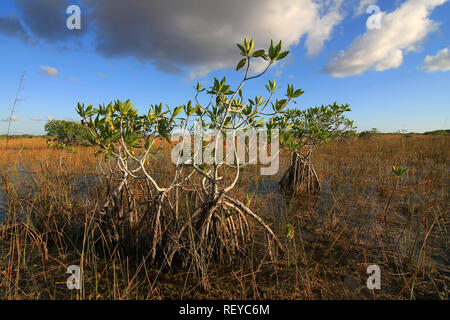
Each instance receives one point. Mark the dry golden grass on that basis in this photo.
(333, 238)
(31, 153)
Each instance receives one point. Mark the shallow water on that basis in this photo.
(81, 186)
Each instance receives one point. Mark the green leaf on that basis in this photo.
(241, 64)
(177, 111)
(272, 54)
(298, 93)
(251, 46)
(242, 49)
(282, 55)
(278, 48)
(247, 45)
(258, 53)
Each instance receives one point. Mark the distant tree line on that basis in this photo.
(438, 132)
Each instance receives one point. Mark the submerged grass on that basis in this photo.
(50, 199)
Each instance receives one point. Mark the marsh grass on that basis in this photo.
(52, 200)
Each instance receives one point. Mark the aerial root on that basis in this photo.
(300, 178)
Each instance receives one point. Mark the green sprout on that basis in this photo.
(289, 231)
(399, 174)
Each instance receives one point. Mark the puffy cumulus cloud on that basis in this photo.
(203, 34)
(198, 35)
(49, 71)
(402, 31)
(439, 62)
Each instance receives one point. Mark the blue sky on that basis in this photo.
(393, 86)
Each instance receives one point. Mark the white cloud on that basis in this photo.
(200, 37)
(101, 75)
(74, 79)
(36, 119)
(179, 36)
(49, 71)
(402, 31)
(439, 62)
(363, 4)
(49, 118)
(13, 118)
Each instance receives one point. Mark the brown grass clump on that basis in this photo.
(50, 202)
